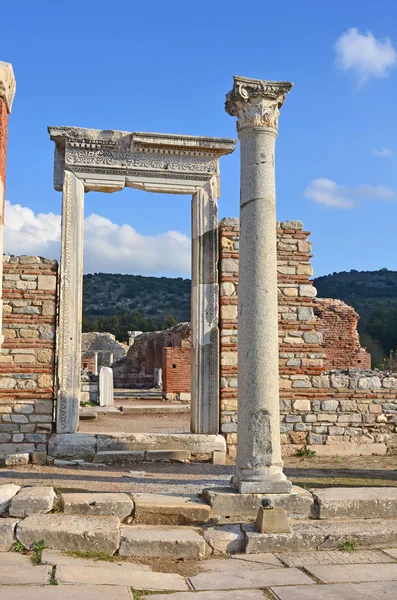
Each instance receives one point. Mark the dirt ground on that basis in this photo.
(130, 423)
(191, 478)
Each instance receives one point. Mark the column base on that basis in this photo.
(269, 480)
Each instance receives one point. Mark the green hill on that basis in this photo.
(119, 303)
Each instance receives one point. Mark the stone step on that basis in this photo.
(355, 503)
(154, 409)
(323, 535)
(114, 457)
(71, 532)
(167, 509)
(98, 504)
(144, 541)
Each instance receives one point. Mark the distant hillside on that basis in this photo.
(119, 303)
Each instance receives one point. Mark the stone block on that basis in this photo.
(98, 504)
(350, 449)
(272, 520)
(218, 458)
(355, 503)
(72, 446)
(155, 542)
(46, 282)
(20, 458)
(302, 405)
(7, 492)
(240, 580)
(31, 501)
(228, 539)
(70, 533)
(165, 509)
(39, 457)
(168, 455)
(229, 506)
(7, 530)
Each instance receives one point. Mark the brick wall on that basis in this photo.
(340, 412)
(27, 371)
(176, 370)
(341, 344)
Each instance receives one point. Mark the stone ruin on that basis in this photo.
(288, 395)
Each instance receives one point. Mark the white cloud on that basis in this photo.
(329, 193)
(107, 247)
(383, 152)
(364, 54)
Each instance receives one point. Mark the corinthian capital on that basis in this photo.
(256, 103)
(7, 84)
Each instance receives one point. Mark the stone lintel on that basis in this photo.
(108, 160)
(7, 84)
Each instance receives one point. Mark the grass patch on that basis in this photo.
(93, 555)
(18, 547)
(53, 581)
(305, 452)
(137, 594)
(38, 549)
(348, 546)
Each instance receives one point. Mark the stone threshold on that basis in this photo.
(135, 447)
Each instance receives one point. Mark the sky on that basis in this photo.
(166, 67)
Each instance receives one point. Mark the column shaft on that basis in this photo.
(205, 311)
(70, 305)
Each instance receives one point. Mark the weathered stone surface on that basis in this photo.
(64, 532)
(349, 449)
(98, 504)
(354, 573)
(7, 530)
(72, 446)
(217, 595)
(249, 579)
(307, 536)
(272, 520)
(333, 557)
(228, 539)
(56, 557)
(355, 503)
(112, 457)
(24, 575)
(345, 591)
(32, 501)
(119, 574)
(71, 592)
(168, 455)
(244, 507)
(21, 458)
(7, 492)
(266, 560)
(141, 541)
(165, 509)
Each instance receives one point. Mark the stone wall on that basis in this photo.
(145, 356)
(176, 368)
(341, 342)
(332, 412)
(27, 359)
(105, 345)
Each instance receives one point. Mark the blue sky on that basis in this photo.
(166, 67)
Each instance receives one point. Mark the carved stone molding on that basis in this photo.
(7, 84)
(110, 160)
(256, 102)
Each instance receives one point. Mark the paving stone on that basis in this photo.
(166, 509)
(147, 541)
(333, 557)
(7, 492)
(231, 565)
(343, 591)
(99, 504)
(249, 579)
(265, 559)
(120, 574)
(354, 573)
(329, 535)
(227, 505)
(391, 552)
(22, 458)
(355, 503)
(14, 559)
(7, 529)
(24, 574)
(69, 592)
(69, 532)
(218, 595)
(31, 501)
(56, 557)
(226, 539)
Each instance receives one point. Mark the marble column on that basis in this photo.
(7, 94)
(259, 468)
(70, 305)
(205, 310)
